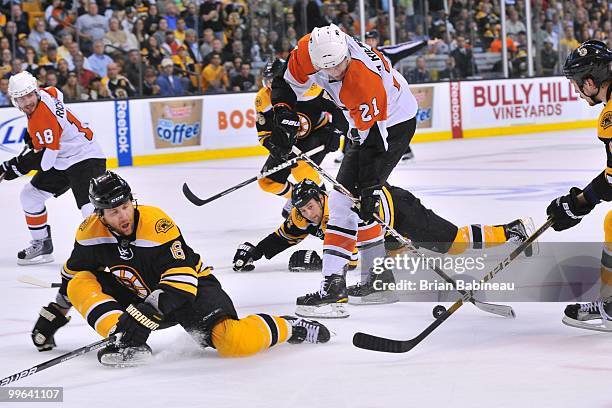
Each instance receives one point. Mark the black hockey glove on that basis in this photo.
(49, 321)
(305, 260)
(286, 127)
(370, 202)
(245, 255)
(21, 164)
(137, 323)
(567, 211)
(333, 140)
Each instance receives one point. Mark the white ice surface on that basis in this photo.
(472, 360)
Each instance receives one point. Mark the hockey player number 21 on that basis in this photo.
(46, 138)
(367, 110)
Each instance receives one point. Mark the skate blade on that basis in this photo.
(534, 249)
(116, 360)
(376, 298)
(41, 259)
(329, 311)
(588, 326)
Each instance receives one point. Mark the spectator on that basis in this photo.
(569, 43)
(450, 72)
(39, 34)
(547, 34)
(191, 44)
(162, 29)
(5, 99)
(151, 22)
(91, 27)
(59, 19)
(211, 12)
(152, 52)
(207, 42)
(62, 50)
(214, 78)
(10, 32)
(169, 84)
(245, 81)
(191, 17)
(171, 45)
(419, 73)
(115, 35)
(50, 79)
(16, 67)
(50, 58)
(179, 32)
(172, 15)
(72, 90)
(6, 66)
(31, 60)
(98, 61)
(21, 18)
(217, 47)
(84, 75)
(96, 91)
(464, 59)
(62, 72)
(117, 86)
(183, 60)
(22, 46)
(513, 25)
(140, 34)
(132, 67)
(234, 68)
(106, 9)
(149, 85)
(496, 45)
(549, 58)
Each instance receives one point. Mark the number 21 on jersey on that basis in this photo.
(368, 109)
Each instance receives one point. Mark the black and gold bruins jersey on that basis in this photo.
(314, 113)
(154, 257)
(602, 184)
(296, 228)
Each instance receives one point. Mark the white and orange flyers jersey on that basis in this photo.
(53, 126)
(371, 90)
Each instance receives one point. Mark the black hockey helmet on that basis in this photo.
(593, 59)
(304, 191)
(108, 191)
(273, 68)
(372, 34)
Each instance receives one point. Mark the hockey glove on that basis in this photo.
(303, 260)
(287, 125)
(137, 322)
(333, 139)
(370, 202)
(49, 321)
(22, 164)
(567, 211)
(245, 255)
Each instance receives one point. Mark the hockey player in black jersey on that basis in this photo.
(320, 122)
(132, 272)
(589, 68)
(399, 208)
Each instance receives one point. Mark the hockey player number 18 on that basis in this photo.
(46, 138)
(365, 109)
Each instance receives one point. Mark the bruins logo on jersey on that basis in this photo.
(261, 119)
(606, 121)
(305, 126)
(130, 278)
(163, 225)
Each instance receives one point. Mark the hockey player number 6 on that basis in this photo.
(365, 110)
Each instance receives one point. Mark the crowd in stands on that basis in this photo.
(123, 48)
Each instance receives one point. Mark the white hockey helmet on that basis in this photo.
(327, 46)
(21, 84)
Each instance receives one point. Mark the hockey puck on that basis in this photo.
(438, 310)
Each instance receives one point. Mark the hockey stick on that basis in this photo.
(375, 343)
(38, 282)
(200, 201)
(500, 310)
(57, 360)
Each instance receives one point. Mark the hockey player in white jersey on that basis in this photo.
(64, 152)
(378, 103)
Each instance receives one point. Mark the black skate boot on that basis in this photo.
(375, 291)
(409, 155)
(39, 252)
(577, 315)
(309, 331)
(121, 355)
(328, 302)
(518, 231)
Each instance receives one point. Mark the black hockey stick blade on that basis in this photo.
(194, 199)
